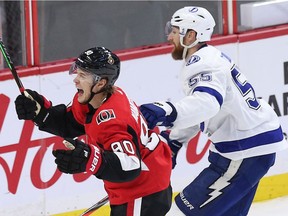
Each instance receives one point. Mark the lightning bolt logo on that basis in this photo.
(223, 181)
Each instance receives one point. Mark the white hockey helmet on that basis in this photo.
(196, 18)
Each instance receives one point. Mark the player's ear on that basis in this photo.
(191, 35)
(102, 82)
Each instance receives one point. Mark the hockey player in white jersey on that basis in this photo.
(245, 131)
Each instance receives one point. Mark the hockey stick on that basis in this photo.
(14, 73)
(11, 66)
(95, 206)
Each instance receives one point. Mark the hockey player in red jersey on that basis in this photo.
(134, 162)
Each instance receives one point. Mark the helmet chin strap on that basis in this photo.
(92, 94)
(187, 47)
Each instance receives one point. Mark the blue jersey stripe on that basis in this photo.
(212, 92)
(202, 126)
(254, 141)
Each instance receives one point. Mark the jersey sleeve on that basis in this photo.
(184, 135)
(64, 121)
(195, 109)
(122, 160)
(203, 101)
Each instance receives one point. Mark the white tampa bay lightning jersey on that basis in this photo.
(220, 102)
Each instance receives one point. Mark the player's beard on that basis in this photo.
(177, 52)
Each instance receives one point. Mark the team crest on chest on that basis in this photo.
(105, 115)
(193, 59)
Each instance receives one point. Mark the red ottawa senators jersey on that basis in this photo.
(118, 127)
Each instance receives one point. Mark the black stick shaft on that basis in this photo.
(95, 206)
(11, 66)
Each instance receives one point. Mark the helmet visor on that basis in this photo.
(73, 71)
(168, 28)
(74, 67)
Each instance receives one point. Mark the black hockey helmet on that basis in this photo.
(100, 62)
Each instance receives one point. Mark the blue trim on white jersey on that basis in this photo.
(212, 92)
(202, 126)
(265, 138)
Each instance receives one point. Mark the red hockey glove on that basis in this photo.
(83, 158)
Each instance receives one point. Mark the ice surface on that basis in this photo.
(276, 207)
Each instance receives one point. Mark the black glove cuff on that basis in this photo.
(41, 117)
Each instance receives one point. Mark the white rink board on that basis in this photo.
(144, 80)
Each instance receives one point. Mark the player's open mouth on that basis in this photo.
(80, 91)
